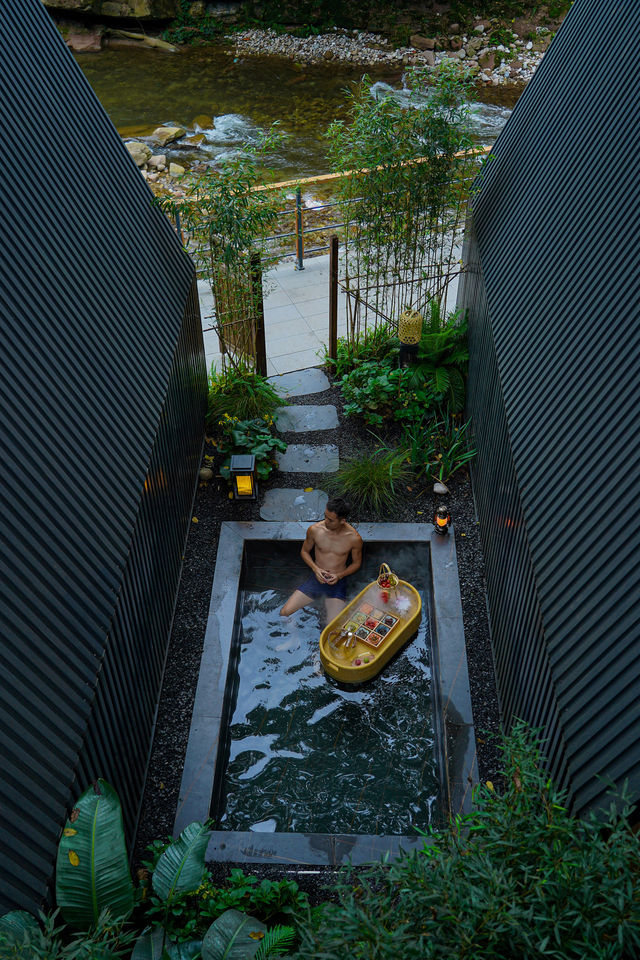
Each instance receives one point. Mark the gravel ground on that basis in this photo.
(211, 507)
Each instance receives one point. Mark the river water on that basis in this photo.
(230, 100)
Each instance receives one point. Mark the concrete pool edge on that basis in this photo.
(452, 701)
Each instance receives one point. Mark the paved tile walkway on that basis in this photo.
(296, 314)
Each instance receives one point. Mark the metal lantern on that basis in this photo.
(409, 333)
(410, 327)
(442, 520)
(243, 476)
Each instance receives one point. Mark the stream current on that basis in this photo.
(231, 101)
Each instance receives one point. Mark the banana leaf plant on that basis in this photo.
(92, 867)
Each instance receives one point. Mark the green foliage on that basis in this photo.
(233, 936)
(180, 867)
(240, 393)
(371, 480)
(47, 940)
(223, 213)
(443, 358)
(227, 216)
(268, 900)
(372, 390)
(188, 29)
(92, 868)
(377, 343)
(248, 436)
(402, 193)
(517, 878)
(452, 449)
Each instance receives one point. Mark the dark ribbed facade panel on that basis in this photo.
(556, 218)
(521, 660)
(101, 420)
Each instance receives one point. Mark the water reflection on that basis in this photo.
(207, 89)
(312, 756)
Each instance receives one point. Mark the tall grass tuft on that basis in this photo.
(371, 481)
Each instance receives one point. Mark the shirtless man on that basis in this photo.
(333, 539)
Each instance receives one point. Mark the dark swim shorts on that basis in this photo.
(313, 588)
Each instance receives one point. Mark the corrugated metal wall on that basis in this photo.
(103, 391)
(554, 393)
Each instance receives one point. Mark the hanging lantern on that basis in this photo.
(409, 333)
(243, 476)
(442, 520)
(410, 327)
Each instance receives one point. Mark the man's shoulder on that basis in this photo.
(353, 533)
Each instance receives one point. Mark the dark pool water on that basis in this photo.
(305, 755)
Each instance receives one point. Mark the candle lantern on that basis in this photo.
(243, 476)
(409, 333)
(442, 520)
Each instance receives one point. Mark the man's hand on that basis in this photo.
(325, 576)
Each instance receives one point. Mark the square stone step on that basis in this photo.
(309, 458)
(300, 383)
(301, 419)
(286, 504)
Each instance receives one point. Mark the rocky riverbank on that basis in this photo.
(491, 54)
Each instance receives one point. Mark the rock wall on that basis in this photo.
(138, 9)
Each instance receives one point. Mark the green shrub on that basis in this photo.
(380, 343)
(371, 480)
(248, 436)
(242, 394)
(270, 901)
(517, 878)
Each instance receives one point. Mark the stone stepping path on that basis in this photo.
(302, 419)
(309, 458)
(302, 383)
(286, 504)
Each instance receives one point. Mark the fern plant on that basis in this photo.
(443, 358)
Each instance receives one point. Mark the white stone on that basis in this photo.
(479, 28)
(166, 135)
(158, 160)
(529, 46)
(440, 488)
(140, 152)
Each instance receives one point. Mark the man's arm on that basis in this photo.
(305, 553)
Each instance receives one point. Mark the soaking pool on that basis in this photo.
(289, 765)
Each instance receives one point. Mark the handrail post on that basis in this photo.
(256, 295)
(299, 236)
(333, 298)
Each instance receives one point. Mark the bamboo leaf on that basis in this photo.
(92, 870)
(180, 868)
(233, 936)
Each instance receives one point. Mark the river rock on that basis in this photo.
(84, 40)
(422, 43)
(455, 43)
(203, 120)
(479, 28)
(474, 45)
(139, 151)
(165, 135)
(454, 28)
(176, 170)
(158, 161)
(487, 59)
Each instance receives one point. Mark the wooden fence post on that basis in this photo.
(333, 298)
(256, 290)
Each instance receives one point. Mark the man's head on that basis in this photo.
(336, 512)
